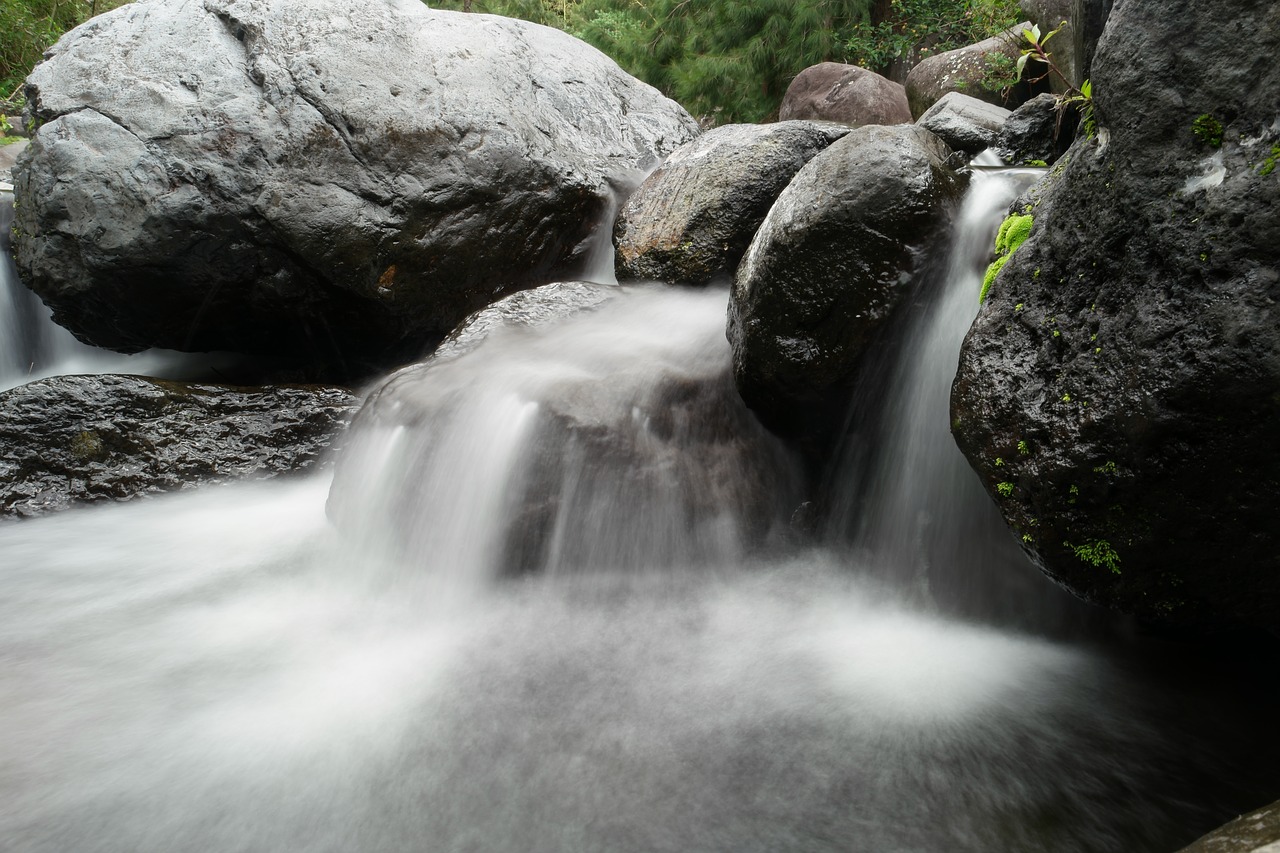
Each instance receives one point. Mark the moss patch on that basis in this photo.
(1012, 234)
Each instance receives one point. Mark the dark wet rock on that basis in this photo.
(1051, 15)
(691, 221)
(1119, 392)
(1037, 133)
(832, 263)
(321, 180)
(968, 70)
(1088, 19)
(849, 94)
(1256, 832)
(964, 123)
(77, 439)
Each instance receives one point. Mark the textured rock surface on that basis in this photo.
(1256, 832)
(1050, 15)
(833, 91)
(831, 264)
(1119, 392)
(75, 439)
(964, 123)
(1088, 19)
(1037, 132)
(692, 220)
(966, 70)
(339, 181)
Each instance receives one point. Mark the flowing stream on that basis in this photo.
(649, 660)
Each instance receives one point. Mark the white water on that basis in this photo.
(225, 670)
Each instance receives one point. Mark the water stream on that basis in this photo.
(671, 670)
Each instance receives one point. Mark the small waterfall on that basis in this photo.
(610, 440)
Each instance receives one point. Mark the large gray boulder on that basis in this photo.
(1119, 392)
(973, 70)
(80, 439)
(691, 221)
(965, 123)
(832, 263)
(342, 182)
(849, 94)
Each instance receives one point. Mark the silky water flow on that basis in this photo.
(554, 604)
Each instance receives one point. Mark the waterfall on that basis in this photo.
(558, 609)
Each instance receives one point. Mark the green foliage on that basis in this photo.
(1005, 489)
(1269, 165)
(1097, 552)
(1208, 130)
(911, 29)
(28, 28)
(1012, 234)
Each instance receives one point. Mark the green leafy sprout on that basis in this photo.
(1096, 552)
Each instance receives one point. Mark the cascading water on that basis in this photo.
(225, 670)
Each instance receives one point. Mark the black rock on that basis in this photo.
(76, 439)
(1119, 392)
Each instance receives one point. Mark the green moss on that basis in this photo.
(87, 446)
(1096, 552)
(1012, 234)
(1269, 165)
(1208, 130)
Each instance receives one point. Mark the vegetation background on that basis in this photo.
(723, 60)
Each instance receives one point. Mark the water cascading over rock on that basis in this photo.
(1119, 393)
(313, 179)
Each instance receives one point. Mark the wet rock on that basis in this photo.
(1256, 832)
(1119, 392)
(341, 183)
(1088, 19)
(1051, 15)
(1037, 133)
(964, 123)
(972, 70)
(834, 91)
(78, 439)
(691, 221)
(832, 263)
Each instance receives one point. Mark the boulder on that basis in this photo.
(972, 70)
(8, 156)
(964, 123)
(848, 94)
(832, 263)
(1256, 832)
(1088, 18)
(77, 439)
(1119, 391)
(321, 180)
(602, 422)
(1038, 132)
(691, 221)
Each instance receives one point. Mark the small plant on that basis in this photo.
(1081, 98)
(1097, 552)
(1005, 489)
(1269, 165)
(1208, 130)
(1107, 468)
(1024, 448)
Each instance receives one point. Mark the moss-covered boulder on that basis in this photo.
(1119, 392)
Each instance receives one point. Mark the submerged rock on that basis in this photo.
(1256, 832)
(336, 182)
(832, 263)
(849, 94)
(691, 221)
(1119, 392)
(78, 439)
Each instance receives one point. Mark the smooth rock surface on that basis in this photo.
(1119, 391)
(336, 182)
(691, 221)
(849, 94)
(964, 123)
(832, 263)
(78, 439)
(966, 70)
